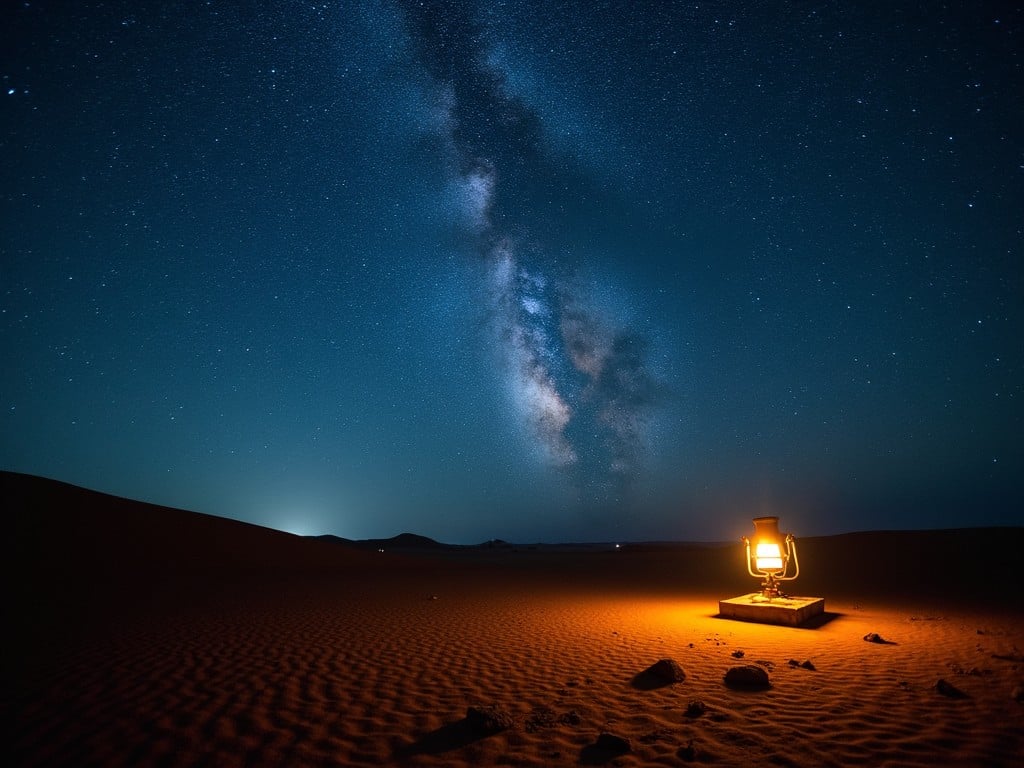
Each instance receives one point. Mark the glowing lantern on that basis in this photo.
(770, 555)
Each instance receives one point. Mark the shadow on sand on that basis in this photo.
(599, 754)
(820, 620)
(447, 737)
(815, 622)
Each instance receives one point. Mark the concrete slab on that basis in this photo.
(788, 611)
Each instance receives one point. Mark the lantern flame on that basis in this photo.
(768, 557)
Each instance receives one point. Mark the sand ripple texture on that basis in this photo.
(358, 673)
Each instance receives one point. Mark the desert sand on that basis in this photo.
(140, 635)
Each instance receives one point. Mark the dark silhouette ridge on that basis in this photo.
(69, 544)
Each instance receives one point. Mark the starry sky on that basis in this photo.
(614, 271)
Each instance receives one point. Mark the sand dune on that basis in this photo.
(149, 636)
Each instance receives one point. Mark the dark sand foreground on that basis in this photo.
(140, 635)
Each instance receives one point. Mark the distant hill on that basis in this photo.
(416, 542)
(406, 541)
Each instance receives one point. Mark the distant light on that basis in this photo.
(295, 523)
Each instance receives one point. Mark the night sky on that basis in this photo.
(606, 271)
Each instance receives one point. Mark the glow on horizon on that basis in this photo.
(297, 523)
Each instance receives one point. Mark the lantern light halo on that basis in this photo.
(770, 556)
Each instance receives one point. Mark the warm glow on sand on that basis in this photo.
(198, 640)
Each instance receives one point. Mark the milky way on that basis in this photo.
(579, 383)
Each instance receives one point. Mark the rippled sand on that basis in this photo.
(318, 654)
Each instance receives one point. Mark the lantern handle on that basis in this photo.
(791, 549)
(750, 570)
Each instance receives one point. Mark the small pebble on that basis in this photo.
(948, 689)
(696, 708)
(609, 742)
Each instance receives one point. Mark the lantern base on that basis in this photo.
(788, 611)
